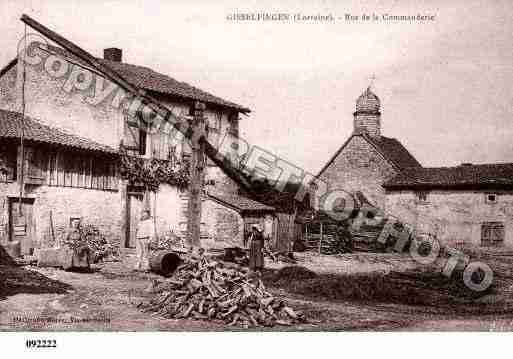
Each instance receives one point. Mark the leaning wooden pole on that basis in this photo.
(178, 123)
(197, 178)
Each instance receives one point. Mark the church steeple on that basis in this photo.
(367, 117)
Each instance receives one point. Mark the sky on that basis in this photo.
(445, 84)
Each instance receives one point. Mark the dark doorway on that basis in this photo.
(21, 225)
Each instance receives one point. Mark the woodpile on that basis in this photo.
(204, 289)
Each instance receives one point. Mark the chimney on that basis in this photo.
(113, 54)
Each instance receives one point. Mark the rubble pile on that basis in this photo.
(208, 290)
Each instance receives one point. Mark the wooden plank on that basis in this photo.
(68, 170)
(90, 174)
(48, 171)
(79, 179)
(60, 169)
(84, 171)
(94, 176)
(75, 172)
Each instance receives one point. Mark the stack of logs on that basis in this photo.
(207, 290)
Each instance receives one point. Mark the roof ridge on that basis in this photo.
(155, 81)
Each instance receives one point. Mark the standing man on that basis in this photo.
(256, 253)
(145, 234)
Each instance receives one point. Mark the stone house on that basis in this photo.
(75, 133)
(462, 205)
(229, 208)
(466, 205)
(66, 177)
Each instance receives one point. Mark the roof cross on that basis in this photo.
(372, 78)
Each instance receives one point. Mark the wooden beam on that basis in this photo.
(320, 239)
(197, 178)
(168, 116)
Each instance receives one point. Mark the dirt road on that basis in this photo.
(106, 300)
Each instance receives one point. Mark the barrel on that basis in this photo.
(165, 262)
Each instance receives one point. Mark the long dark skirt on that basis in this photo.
(256, 255)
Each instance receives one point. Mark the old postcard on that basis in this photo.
(302, 166)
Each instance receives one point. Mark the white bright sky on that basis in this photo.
(446, 86)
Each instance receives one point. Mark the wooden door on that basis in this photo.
(21, 226)
(134, 208)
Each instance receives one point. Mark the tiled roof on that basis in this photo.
(147, 79)
(395, 152)
(10, 127)
(482, 175)
(239, 202)
(390, 148)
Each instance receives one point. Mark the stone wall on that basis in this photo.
(225, 225)
(454, 216)
(167, 209)
(47, 100)
(359, 167)
(101, 208)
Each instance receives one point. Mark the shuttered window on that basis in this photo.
(492, 234)
(162, 146)
(134, 139)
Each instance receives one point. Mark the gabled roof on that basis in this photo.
(10, 127)
(147, 79)
(240, 203)
(395, 152)
(390, 148)
(465, 176)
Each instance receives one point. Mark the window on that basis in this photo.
(422, 196)
(186, 157)
(214, 121)
(492, 234)
(491, 198)
(162, 146)
(36, 161)
(7, 163)
(135, 136)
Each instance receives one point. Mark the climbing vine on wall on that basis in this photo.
(150, 173)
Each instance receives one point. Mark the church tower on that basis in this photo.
(367, 118)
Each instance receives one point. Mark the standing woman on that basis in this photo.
(256, 254)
